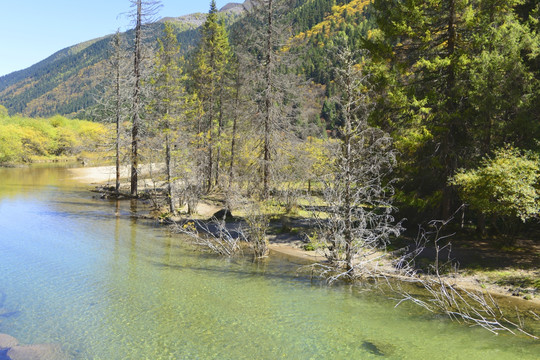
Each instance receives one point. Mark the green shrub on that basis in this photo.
(22, 138)
(11, 148)
(66, 141)
(506, 184)
(3, 112)
(58, 121)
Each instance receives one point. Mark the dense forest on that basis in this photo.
(264, 99)
(368, 119)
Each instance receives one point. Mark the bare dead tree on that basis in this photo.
(214, 235)
(190, 159)
(227, 239)
(143, 13)
(269, 93)
(256, 229)
(117, 62)
(188, 168)
(136, 100)
(113, 104)
(358, 220)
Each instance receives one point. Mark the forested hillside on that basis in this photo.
(68, 81)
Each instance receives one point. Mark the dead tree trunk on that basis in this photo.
(234, 127)
(136, 100)
(268, 103)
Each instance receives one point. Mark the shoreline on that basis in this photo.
(288, 244)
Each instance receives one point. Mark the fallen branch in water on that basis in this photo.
(225, 238)
(214, 235)
(474, 308)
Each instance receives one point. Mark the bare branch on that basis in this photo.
(466, 306)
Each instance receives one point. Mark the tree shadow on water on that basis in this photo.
(242, 274)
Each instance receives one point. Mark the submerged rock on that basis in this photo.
(7, 341)
(3, 354)
(11, 350)
(372, 348)
(37, 352)
(6, 314)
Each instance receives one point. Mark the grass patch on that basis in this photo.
(521, 281)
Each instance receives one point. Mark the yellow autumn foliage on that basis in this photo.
(336, 17)
(23, 138)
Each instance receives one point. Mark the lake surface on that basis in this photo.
(106, 286)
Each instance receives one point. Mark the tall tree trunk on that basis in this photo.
(118, 112)
(170, 197)
(220, 130)
(234, 128)
(347, 158)
(136, 100)
(448, 143)
(347, 205)
(268, 104)
(486, 146)
(209, 167)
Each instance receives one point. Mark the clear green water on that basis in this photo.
(110, 287)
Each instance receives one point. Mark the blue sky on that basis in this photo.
(31, 30)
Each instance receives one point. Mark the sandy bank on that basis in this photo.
(98, 175)
(107, 174)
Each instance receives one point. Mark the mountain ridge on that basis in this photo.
(68, 82)
(63, 82)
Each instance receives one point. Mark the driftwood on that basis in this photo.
(440, 294)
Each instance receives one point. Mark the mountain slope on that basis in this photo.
(65, 83)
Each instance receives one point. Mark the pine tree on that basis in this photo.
(428, 43)
(168, 98)
(211, 61)
(455, 84)
(272, 83)
(502, 82)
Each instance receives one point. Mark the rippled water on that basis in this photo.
(110, 287)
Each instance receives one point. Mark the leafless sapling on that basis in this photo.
(357, 189)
